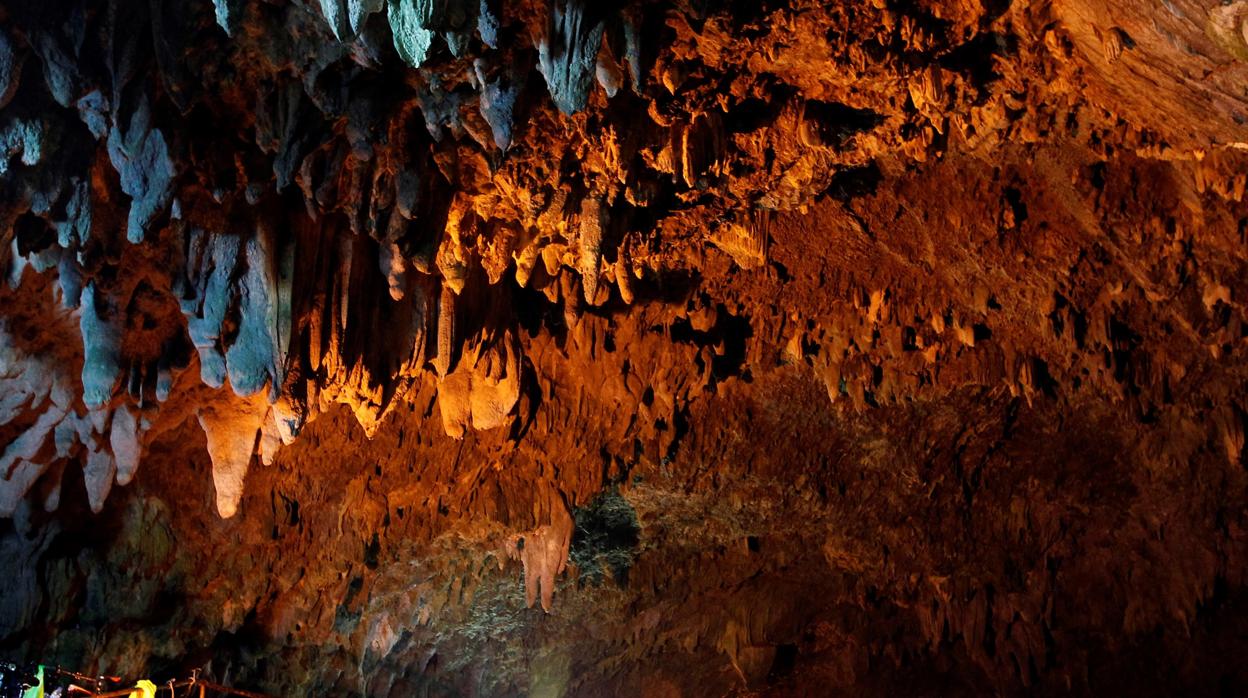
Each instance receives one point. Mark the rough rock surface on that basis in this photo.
(775, 348)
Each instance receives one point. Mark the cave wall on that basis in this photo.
(457, 348)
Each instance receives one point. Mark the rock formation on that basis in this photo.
(779, 348)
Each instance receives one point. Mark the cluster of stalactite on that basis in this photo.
(243, 214)
(332, 196)
(863, 333)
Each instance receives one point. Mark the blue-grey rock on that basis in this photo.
(251, 359)
(74, 230)
(22, 137)
(407, 192)
(17, 265)
(141, 157)
(440, 108)
(500, 88)
(101, 349)
(411, 38)
(336, 15)
(567, 54)
(488, 23)
(229, 13)
(290, 128)
(359, 10)
(93, 110)
(164, 377)
(285, 304)
(214, 265)
(98, 476)
(69, 276)
(10, 69)
(59, 49)
(123, 440)
(458, 42)
(44, 259)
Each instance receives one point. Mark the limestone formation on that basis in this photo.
(776, 348)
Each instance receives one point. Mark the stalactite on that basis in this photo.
(101, 340)
(231, 429)
(446, 332)
(593, 219)
(568, 51)
(252, 357)
(982, 262)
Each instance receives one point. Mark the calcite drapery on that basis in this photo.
(544, 554)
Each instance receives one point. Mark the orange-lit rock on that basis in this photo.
(810, 348)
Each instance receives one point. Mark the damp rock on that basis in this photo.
(251, 360)
(141, 157)
(500, 88)
(231, 428)
(101, 348)
(568, 52)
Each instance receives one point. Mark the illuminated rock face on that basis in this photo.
(638, 348)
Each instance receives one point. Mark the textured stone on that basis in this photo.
(231, 429)
(251, 360)
(866, 348)
(568, 51)
(101, 348)
(142, 159)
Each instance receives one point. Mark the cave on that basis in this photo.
(656, 348)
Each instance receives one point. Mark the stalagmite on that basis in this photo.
(270, 441)
(623, 272)
(164, 378)
(74, 229)
(488, 22)
(745, 242)
(483, 390)
(359, 10)
(608, 71)
(69, 277)
(339, 17)
(632, 47)
(20, 136)
(51, 483)
(495, 385)
(17, 469)
(284, 282)
(288, 418)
